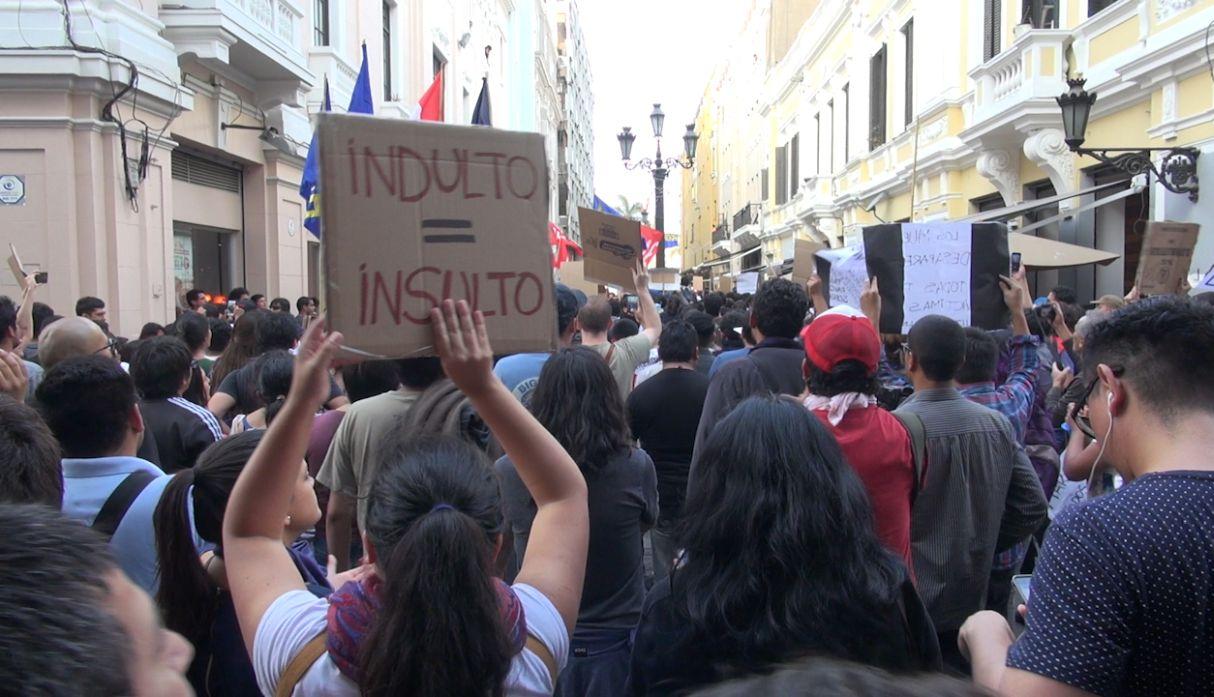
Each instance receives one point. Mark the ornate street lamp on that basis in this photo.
(659, 167)
(1177, 170)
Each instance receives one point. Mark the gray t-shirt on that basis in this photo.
(623, 500)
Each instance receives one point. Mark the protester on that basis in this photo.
(72, 336)
(151, 330)
(221, 336)
(521, 371)
(663, 414)
(273, 375)
(240, 350)
(713, 304)
(1108, 304)
(673, 307)
(90, 404)
(780, 561)
(238, 293)
(360, 445)
(11, 344)
(92, 308)
(182, 430)
(237, 394)
(706, 330)
(1122, 589)
(260, 301)
(736, 340)
(306, 307)
(280, 305)
(625, 355)
(623, 502)
(980, 495)
(773, 366)
(30, 471)
(194, 599)
(196, 301)
(1062, 294)
(622, 329)
(71, 623)
(195, 331)
(429, 618)
(842, 352)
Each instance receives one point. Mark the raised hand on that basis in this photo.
(1013, 293)
(462, 343)
(312, 360)
(640, 277)
(13, 378)
(870, 302)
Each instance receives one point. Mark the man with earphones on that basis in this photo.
(1122, 601)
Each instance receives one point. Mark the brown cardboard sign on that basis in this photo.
(725, 284)
(612, 246)
(573, 274)
(415, 213)
(803, 264)
(697, 284)
(1167, 252)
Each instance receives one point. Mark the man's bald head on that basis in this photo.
(69, 337)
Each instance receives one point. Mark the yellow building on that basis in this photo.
(901, 110)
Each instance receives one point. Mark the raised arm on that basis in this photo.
(25, 314)
(259, 567)
(647, 309)
(555, 561)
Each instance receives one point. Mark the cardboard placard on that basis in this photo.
(949, 269)
(415, 213)
(748, 283)
(725, 284)
(1167, 252)
(14, 265)
(803, 264)
(697, 284)
(573, 274)
(612, 246)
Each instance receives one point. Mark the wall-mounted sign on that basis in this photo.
(12, 189)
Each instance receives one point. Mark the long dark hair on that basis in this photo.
(186, 595)
(781, 557)
(240, 350)
(273, 372)
(433, 516)
(578, 400)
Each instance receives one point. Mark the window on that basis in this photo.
(908, 38)
(1041, 14)
(781, 175)
(764, 183)
(387, 13)
(439, 63)
(876, 100)
(830, 135)
(817, 143)
(992, 29)
(846, 123)
(320, 17)
(1095, 6)
(794, 165)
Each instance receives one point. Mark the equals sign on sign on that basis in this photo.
(450, 237)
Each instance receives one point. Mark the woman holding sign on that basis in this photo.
(427, 617)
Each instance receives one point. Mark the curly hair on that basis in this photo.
(597, 428)
(780, 307)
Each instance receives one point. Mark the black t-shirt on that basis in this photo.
(663, 413)
(180, 429)
(669, 657)
(1122, 599)
(241, 385)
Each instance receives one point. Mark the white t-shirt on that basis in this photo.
(296, 617)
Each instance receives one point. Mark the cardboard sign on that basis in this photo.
(844, 274)
(949, 269)
(664, 276)
(748, 283)
(573, 274)
(612, 246)
(697, 284)
(1167, 252)
(803, 263)
(415, 213)
(725, 284)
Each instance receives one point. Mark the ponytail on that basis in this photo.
(433, 517)
(273, 408)
(186, 594)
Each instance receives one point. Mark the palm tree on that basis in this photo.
(630, 209)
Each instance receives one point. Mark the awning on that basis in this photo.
(1022, 208)
(1042, 253)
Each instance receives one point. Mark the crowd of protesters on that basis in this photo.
(706, 494)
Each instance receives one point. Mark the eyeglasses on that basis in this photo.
(111, 346)
(1082, 421)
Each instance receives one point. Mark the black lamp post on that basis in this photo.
(1177, 171)
(659, 167)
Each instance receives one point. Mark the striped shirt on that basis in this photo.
(980, 494)
(180, 429)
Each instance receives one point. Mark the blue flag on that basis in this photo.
(360, 103)
(480, 115)
(601, 206)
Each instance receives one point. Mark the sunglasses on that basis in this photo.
(1083, 422)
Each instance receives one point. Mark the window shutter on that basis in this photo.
(908, 33)
(991, 29)
(794, 168)
(876, 100)
(781, 175)
(765, 184)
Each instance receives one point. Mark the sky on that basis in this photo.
(646, 51)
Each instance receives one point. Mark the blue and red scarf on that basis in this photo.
(354, 607)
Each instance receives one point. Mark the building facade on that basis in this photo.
(159, 146)
(575, 164)
(877, 112)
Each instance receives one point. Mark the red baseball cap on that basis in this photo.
(841, 334)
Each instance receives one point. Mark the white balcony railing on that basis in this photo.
(1032, 68)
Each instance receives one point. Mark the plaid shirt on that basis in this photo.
(1014, 399)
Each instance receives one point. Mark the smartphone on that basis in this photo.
(1020, 586)
(1015, 262)
(40, 278)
